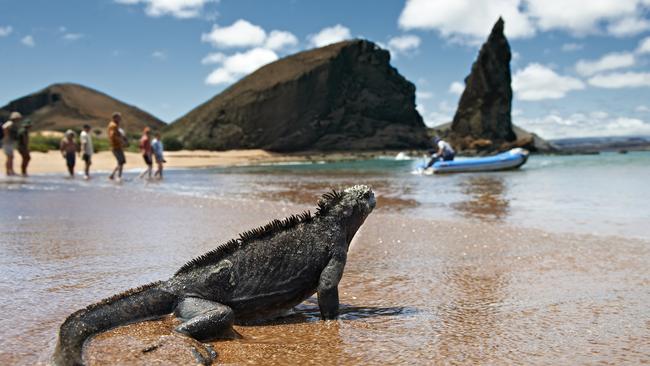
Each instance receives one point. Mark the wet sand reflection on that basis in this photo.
(469, 316)
(485, 198)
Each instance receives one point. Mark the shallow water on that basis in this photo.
(452, 277)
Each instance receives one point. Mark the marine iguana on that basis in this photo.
(262, 273)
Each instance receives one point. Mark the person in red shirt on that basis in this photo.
(146, 151)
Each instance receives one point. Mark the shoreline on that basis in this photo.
(51, 162)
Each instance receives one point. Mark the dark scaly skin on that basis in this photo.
(262, 274)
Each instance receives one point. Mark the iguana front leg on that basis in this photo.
(328, 292)
(205, 319)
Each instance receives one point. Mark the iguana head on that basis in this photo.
(350, 206)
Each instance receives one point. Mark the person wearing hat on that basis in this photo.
(443, 151)
(69, 150)
(117, 141)
(10, 135)
(23, 145)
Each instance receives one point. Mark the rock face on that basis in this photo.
(70, 106)
(480, 146)
(344, 96)
(484, 107)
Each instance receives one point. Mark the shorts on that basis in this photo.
(24, 153)
(87, 158)
(70, 159)
(159, 159)
(8, 147)
(147, 159)
(119, 156)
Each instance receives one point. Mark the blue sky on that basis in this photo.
(579, 68)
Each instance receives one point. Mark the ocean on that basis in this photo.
(543, 265)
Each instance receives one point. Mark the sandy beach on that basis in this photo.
(51, 162)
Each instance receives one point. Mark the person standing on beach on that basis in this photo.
(158, 151)
(116, 140)
(23, 146)
(10, 135)
(146, 151)
(69, 150)
(87, 149)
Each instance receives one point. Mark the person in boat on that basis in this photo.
(442, 151)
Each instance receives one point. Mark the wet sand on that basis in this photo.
(415, 290)
(104, 161)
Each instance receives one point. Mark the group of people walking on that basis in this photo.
(14, 135)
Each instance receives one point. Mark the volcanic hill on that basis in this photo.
(69, 106)
(345, 96)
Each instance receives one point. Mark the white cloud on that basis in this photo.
(644, 46)
(619, 80)
(538, 82)
(278, 40)
(599, 114)
(213, 58)
(240, 34)
(28, 41)
(404, 44)
(220, 76)
(569, 47)
(471, 20)
(466, 18)
(554, 125)
(580, 18)
(160, 55)
(456, 88)
(329, 35)
(610, 61)
(6, 30)
(235, 66)
(642, 109)
(434, 118)
(422, 95)
(244, 34)
(628, 27)
(177, 8)
(72, 36)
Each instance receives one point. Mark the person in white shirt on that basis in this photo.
(86, 150)
(443, 152)
(158, 151)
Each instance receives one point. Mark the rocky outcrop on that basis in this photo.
(484, 108)
(69, 106)
(479, 146)
(345, 96)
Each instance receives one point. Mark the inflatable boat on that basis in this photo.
(508, 160)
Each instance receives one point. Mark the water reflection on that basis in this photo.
(485, 198)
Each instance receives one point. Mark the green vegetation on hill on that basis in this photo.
(44, 143)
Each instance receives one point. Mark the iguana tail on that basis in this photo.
(144, 302)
